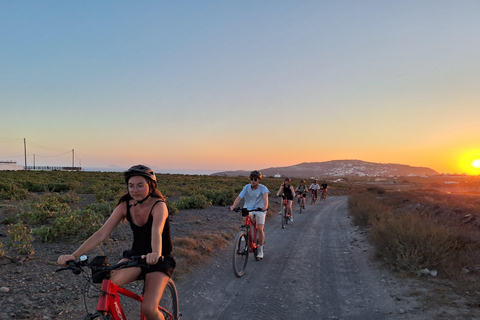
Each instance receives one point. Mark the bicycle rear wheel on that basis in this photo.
(169, 301)
(240, 253)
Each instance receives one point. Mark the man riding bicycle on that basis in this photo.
(256, 196)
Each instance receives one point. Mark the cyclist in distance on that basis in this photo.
(301, 191)
(256, 196)
(324, 186)
(144, 207)
(314, 187)
(287, 189)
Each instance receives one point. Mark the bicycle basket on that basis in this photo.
(244, 212)
(97, 273)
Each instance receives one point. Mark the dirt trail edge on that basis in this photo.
(316, 268)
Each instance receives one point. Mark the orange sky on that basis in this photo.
(204, 87)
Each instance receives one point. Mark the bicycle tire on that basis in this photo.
(98, 315)
(284, 218)
(169, 300)
(240, 253)
(301, 206)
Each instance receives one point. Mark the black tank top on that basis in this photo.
(287, 191)
(142, 236)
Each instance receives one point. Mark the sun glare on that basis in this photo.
(470, 162)
(476, 163)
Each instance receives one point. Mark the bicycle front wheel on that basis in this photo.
(169, 303)
(98, 315)
(284, 217)
(240, 253)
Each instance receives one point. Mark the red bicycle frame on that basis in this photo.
(251, 227)
(109, 300)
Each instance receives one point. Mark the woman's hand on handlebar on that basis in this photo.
(63, 259)
(151, 258)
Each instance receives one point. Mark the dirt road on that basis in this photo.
(316, 268)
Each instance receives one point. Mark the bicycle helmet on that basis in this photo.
(302, 181)
(256, 173)
(288, 179)
(141, 170)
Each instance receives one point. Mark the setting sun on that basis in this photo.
(476, 163)
(470, 162)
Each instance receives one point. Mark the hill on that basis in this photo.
(339, 168)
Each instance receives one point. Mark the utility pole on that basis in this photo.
(25, 151)
(34, 161)
(73, 158)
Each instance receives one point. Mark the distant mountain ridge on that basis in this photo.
(338, 168)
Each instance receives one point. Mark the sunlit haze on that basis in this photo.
(205, 86)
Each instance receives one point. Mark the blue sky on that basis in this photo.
(219, 85)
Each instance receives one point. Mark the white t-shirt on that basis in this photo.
(253, 197)
(314, 186)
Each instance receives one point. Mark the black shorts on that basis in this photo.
(167, 265)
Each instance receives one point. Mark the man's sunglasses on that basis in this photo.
(254, 179)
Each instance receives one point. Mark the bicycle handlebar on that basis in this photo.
(76, 265)
(238, 209)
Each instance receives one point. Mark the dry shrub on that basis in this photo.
(410, 243)
(365, 208)
(191, 252)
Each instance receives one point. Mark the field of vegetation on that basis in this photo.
(425, 227)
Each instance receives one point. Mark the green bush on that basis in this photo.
(198, 201)
(46, 207)
(172, 208)
(79, 223)
(11, 191)
(20, 238)
(103, 208)
(221, 197)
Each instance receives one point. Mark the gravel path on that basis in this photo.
(316, 268)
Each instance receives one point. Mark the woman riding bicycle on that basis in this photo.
(301, 192)
(256, 196)
(287, 189)
(314, 187)
(144, 207)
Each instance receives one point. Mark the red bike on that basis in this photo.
(245, 242)
(314, 197)
(284, 213)
(324, 195)
(109, 306)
